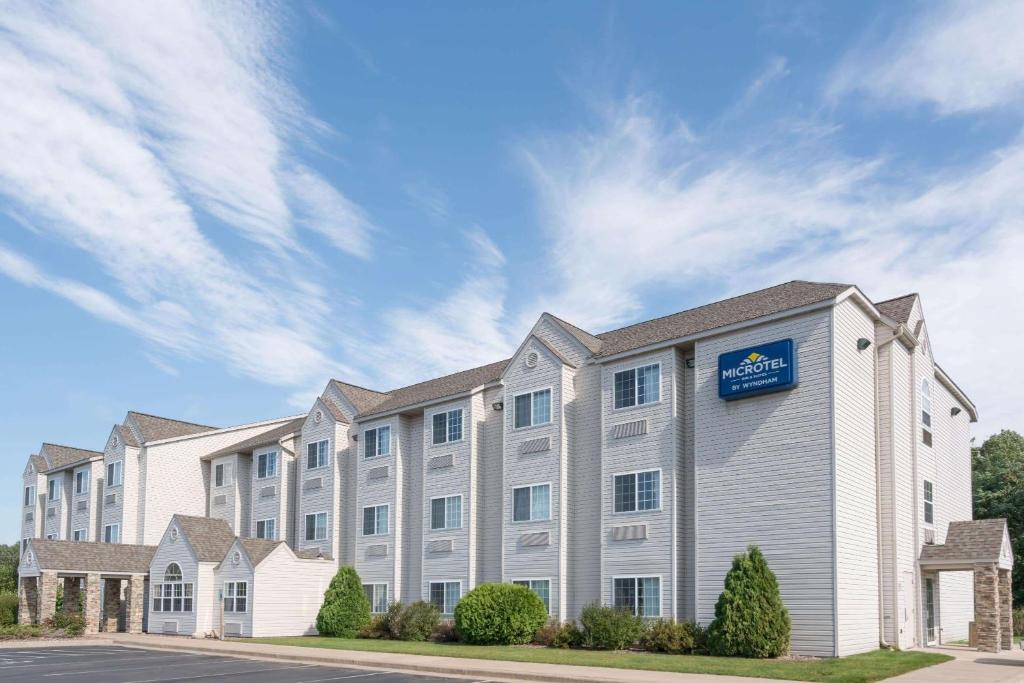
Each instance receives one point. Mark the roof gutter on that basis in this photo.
(959, 395)
(427, 403)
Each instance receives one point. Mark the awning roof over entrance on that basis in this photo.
(83, 557)
(979, 541)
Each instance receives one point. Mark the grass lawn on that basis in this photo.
(864, 668)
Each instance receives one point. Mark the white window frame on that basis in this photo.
(529, 581)
(445, 582)
(447, 428)
(117, 466)
(83, 532)
(271, 456)
(636, 391)
(376, 440)
(326, 454)
(929, 505)
(112, 537)
(87, 478)
(635, 509)
(232, 595)
(445, 499)
(273, 522)
(53, 490)
(376, 520)
(374, 587)
(636, 592)
(163, 593)
(925, 395)
(305, 526)
(532, 518)
(51, 537)
(532, 393)
(30, 496)
(223, 469)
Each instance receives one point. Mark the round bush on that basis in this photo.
(670, 637)
(609, 628)
(499, 614)
(750, 619)
(346, 609)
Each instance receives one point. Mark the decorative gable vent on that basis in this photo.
(377, 473)
(631, 532)
(268, 492)
(536, 539)
(380, 550)
(220, 500)
(531, 359)
(82, 505)
(441, 546)
(311, 484)
(441, 461)
(626, 429)
(535, 446)
(110, 499)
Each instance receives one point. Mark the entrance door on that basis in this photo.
(929, 611)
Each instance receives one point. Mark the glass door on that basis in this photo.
(929, 611)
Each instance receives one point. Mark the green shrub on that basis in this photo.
(417, 621)
(345, 610)
(1018, 621)
(444, 632)
(19, 631)
(568, 635)
(609, 628)
(670, 637)
(499, 614)
(8, 609)
(72, 623)
(750, 619)
(547, 633)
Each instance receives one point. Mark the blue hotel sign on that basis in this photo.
(757, 370)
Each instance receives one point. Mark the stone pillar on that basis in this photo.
(47, 595)
(1005, 609)
(72, 594)
(111, 604)
(136, 603)
(92, 603)
(986, 607)
(28, 600)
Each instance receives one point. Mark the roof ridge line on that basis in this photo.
(450, 374)
(171, 419)
(77, 448)
(896, 298)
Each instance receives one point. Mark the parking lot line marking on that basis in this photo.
(218, 660)
(338, 678)
(230, 673)
(43, 662)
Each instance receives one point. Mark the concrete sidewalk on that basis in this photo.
(970, 666)
(471, 669)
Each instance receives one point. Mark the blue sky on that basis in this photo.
(208, 209)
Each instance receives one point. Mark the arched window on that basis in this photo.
(926, 412)
(173, 595)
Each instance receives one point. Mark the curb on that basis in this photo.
(84, 641)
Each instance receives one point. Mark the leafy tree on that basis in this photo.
(9, 556)
(999, 492)
(346, 609)
(750, 619)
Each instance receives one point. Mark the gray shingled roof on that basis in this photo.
(93, 557)
(430, 390)
(899, 308)
(210, 538)
(364, 400)
(968, 541)
(268, 438)
(58, 457)
(592, 343)
(127, 437)
(38, 462)
(155, 428)
(258, 548)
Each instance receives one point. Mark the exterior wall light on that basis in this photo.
(863, 343)
(954, 411)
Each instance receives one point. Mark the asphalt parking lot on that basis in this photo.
(109, 664)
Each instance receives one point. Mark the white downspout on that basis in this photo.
(878, 499)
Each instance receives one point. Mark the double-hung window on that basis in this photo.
(115, 473)
(112, 533)
(81, 482)
(221, 475)
(637, 491)
(377, 442)
(30, 495)
(926, 413)
(236, 595)
(317, 454)
(446, 513)
(531, 503)
(447, 426)
(637, 386)
(266, 465)
(78, 535)
(445, 594)
(929, 503)
(267, 528)
(53, 490)
(173, 594)
(542, 587)
(532, 408)
(316, 527)
(377, 594)
(375, 520)
(640, 595)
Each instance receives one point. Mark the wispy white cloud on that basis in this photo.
(957, 56)
(124, 127)
(429, 199)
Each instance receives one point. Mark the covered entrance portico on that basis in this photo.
(98, 581)
(981, 546)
